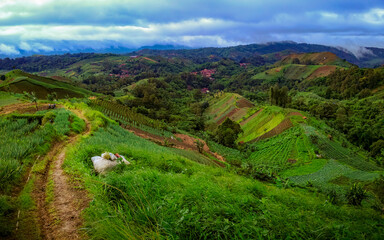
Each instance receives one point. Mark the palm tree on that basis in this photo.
(32, 97)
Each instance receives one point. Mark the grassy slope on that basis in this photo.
(7, 99)
(163, 195)
(269, 118)
(19, 81)
(92, 66)
(290, 71)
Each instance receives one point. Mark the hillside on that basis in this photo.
(320, 58)
(18, 81)
(171, 192)
(239, 52)
(217, 149)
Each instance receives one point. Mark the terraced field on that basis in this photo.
(261, 124)
(18, 81)
(289, 71)
(282, 151)
(228, 105)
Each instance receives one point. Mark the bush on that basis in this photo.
(228, 132)
(48, 117)
(356, 195)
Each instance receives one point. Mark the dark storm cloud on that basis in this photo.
(43, 25)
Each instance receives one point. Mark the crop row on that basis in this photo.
(124, 113)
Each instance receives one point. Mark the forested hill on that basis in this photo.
(372, 57)
(256, 54)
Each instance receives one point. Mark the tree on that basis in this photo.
(200, 145)
(52, 96)
(279, 96)
(228, 132)
(31, 97)
(376, 148)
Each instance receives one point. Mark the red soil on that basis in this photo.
(322, 71)
(22, 108)
(242, 103)
(295, 114)
(229, 115)
(149, 59)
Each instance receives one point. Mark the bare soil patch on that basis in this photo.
(229, 115)
(322, 72)
(22, 108)
(243, 103)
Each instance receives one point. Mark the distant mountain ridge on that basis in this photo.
(257, 54)
(370, 57)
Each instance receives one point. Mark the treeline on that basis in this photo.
(40, 62)
(361, 120)
(348, 83)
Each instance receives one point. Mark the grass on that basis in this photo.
(164, 195)
(24, 136)
(15, 153)
(262, 123)
(61, 122)
(334, 150)
(306, 169)
(7, 99)
(19, 81)
(288, 71)
(275, 152)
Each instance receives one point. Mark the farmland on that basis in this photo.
(18, 82)
(284, 145)
(7, 99)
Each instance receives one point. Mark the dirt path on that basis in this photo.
(22, 108)
(59, 203)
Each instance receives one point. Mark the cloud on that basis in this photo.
(50, 25)
(8, 50)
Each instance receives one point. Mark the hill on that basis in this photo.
(168, 193)
(18, 81)
(295, 68)
(272, 51)
(319, 58)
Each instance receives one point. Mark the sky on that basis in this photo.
(47, 26)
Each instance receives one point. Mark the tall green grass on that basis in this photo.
(19, 140)
(163, 195)
(7, 98)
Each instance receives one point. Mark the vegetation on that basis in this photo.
(228, 132)
(163, 195)
(294, 142)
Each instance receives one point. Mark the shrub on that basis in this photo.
(48, 117)
(200, 145)
(332, 196)
(356, 194)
